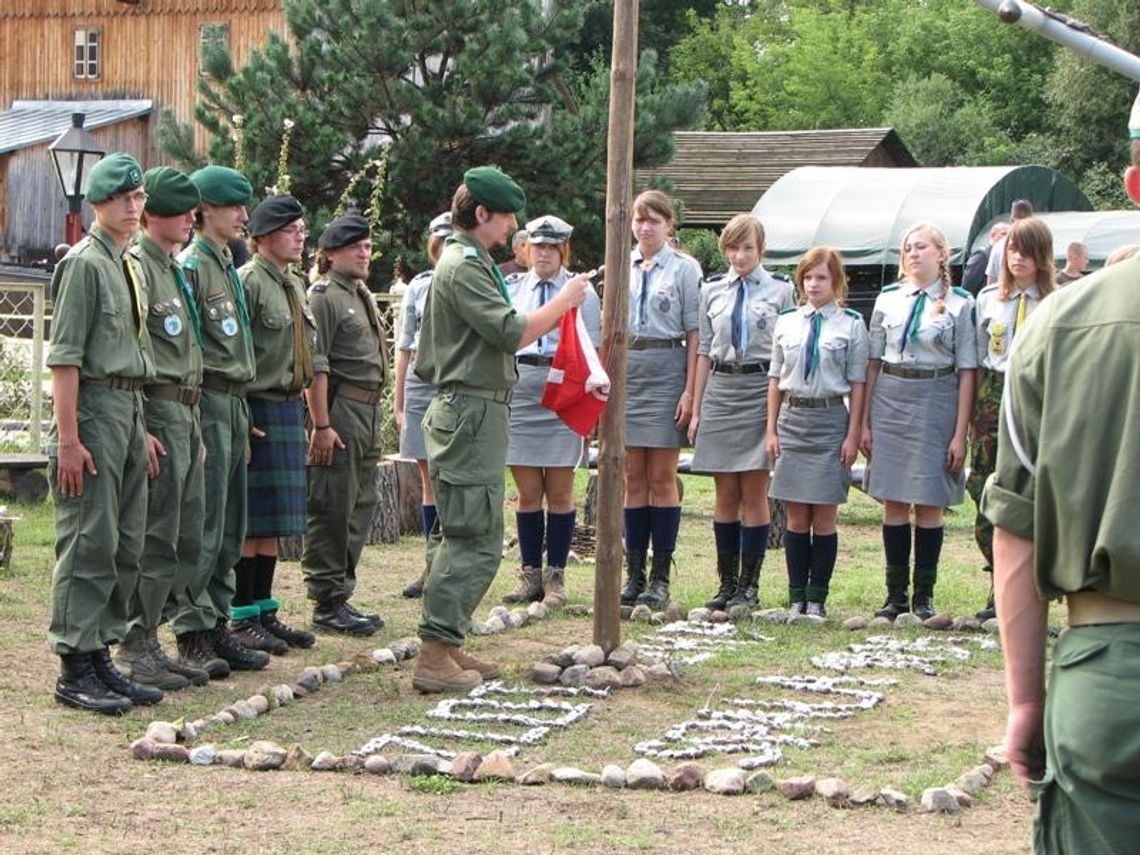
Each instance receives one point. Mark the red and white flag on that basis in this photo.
(578, 387)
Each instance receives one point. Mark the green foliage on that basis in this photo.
(702, 245)
(434, 785)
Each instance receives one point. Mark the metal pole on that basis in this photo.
(615, 311)
(1051, 27)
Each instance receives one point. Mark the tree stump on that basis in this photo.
(6, 525)
(385, 526)
(24, 482)
(779, 524)
(409, 494)
(290, 548)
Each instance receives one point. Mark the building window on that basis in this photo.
(87, 54)
(211, 37)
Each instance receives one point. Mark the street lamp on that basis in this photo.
(74, 152)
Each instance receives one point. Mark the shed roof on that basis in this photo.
(1100, 231)
(30, 123)
(863, 212)
(718, 175)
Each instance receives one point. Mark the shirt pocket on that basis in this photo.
(833, 351)
(763, 314)
(718, 305)
(663, 300)
(276, 321)
(166, 319)
(943, 331)
(997, 339)
(221, 317)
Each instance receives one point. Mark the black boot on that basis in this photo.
(990, 611)
(727, 567)
(110, 677)
(896, 603)
(79, 687)
(279, 629)
(333, 616)
(250, 634)
(635, 578)
(371, 617)
(415, 588)
(196, 651)
(656, 596)
(239, 658)
(922, 604)
(747, 586)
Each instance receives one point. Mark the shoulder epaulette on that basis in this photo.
(855, 313)
(512, 278)
(889, 288)
(783, 277)
(993, 286)
(188, 260)
(423, 274)
(470, 252)
(319, 288)
(962, 292)
(716, 277)
(789, 310)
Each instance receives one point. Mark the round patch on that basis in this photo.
(761, 323)
(664, 304)
(172, 324)
(229, 326)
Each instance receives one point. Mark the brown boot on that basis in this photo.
(436, 671)
(530, 586)
(487, 670)
(553, 584)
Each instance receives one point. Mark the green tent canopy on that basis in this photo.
(1100, 231)
(862, 212)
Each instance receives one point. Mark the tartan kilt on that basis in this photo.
(276, 494)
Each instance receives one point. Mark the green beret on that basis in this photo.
(169, 192)
(343, 231)
(494, 190)
(220, 185)
(115, 173)
(274, 213)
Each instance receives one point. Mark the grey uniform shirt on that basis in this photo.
(947, 336)
(843, 349)
(765, 296)
(997, 323)
(664, 299)
(527, 295)
(993, 266)
(412, 311)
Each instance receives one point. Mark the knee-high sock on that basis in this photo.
(824, 548)
(797, 553)
(753, 543)
(559, 533)
(429, 515)
(264, 567)
(664, 523)
(896, 546)
(727, 537)
(242, 607)
(637, 529)
(927, 552)
(531, 525)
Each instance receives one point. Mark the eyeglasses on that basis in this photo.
(296, 231)
(138, 196)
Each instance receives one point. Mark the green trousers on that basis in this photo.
(1089, 799)
(175, 514)
(466, 439)
(99, 534)
(342, 498)
(225, 433)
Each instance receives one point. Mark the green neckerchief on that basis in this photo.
(238, 289)
(191, 304)
(495, 272)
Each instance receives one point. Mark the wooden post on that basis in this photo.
(611, 459)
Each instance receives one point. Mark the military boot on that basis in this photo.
(816, 597)
(656, 596)
(415, 588)
(196, 651)
(332, 615)
(554, 587)
(79, 687)
(635, 578)
(727, 568)
(196, 676)
(437, 671)
(109, 676)
(990, 611)
(896, 602)
(487, 670)
(748, 585)
(797, 601)
(279, 629)
(530, 586)
(237, 656)
(249, 633)
(371, 617)
(922, 604)
(135, 660)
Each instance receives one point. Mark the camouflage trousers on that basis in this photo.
(983, 453)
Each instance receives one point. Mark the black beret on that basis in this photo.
(115, 173)
(343, 231)
(274, 213)
(169, 192)
(494, 190)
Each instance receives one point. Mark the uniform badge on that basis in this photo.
(761, 323)
(213, 313)
(229, 326)
(172, 324)
(997, 338)
(664, 304)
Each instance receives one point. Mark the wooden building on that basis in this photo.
(718, 175)
(121, 51)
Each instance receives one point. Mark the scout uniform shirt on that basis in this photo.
(999, 321)
(470, 330)
(227, 345)
(1066, 475)
(280, 320)
(664, 299)
(529, 293)
(738, 315)
(412, 311)
(940, 334)
(350, 344)
(173, 323)
(819, 358)
(100, 301)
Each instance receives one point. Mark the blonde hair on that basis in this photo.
(939, 240)
(563, 253)
(1031, 237)
(740, 228)
(1122, 253)
(827, 256)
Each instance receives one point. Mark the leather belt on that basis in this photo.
(815, 403)
(534, 359)
(917, 373)
(739, 367)
(217, 383)
(501, 396)
(639, 343)
(120, 384)
(173, 392)
(1090, 607)
(360, 394)
(276, 395)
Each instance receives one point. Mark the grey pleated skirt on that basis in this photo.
(912, 423)
(808, 469)
(417, 396)
(655, 380)
(734, 416)
(538, 437)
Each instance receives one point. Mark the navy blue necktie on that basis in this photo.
(646, 274)
(738, 321)
(542, 286)
(811, 362)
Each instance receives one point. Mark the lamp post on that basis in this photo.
(74, 152)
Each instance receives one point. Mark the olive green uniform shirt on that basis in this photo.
(95, 320)
(271, 320)
(227, 345)
(1068, 463)
(470, 330)
(172, 319)
(350, 343)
